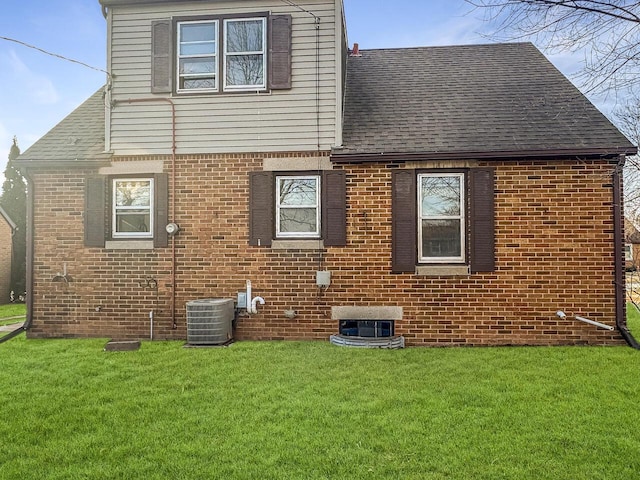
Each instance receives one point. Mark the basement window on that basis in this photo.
(367, 328)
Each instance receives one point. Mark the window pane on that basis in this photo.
(197, 32)
(195, 83)
(133, 193)
(244, 36)
(197, 65)
(440, 196)
(298, 192)
(297, 220)
(198, 48)
(245, 70)
(441, 238)
(133, 221)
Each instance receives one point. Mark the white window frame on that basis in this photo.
(215, 56)
(316, 233)
(461, 217)
(262, 52)
(115, 209)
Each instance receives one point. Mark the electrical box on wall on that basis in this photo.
(323, 278)
(242, 300)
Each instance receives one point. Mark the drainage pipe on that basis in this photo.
(172, 188)
(620, 287)
(593, 322)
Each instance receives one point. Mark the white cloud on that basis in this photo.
(39, 88)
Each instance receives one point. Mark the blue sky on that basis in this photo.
(37, 90)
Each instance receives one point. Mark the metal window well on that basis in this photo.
(367, 334)
(209, 321)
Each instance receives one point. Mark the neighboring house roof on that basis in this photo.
(471, 100)
(10, 222)
(77, 139)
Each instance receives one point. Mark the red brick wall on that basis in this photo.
(5, 260)
(554, 250)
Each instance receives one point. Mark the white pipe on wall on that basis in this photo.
(593, 322)
(563, 316)
(254, 304)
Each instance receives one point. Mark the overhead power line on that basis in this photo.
(62, 57)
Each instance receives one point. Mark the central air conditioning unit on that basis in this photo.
(210, 321)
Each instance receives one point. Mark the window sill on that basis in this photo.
(209, 93)
(443, 270)
(297, 245)
(128, 245)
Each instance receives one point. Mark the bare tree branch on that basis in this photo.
(608, 30)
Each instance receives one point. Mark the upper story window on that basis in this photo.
(197, 55)
(132, 208)
(244, 54)
(221, 54)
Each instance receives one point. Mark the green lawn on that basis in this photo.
(290, 410)
(633, 320)
(11, 310)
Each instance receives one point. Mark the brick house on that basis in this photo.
(444, 192)
(7, 227)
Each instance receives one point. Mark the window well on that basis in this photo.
(367, 328)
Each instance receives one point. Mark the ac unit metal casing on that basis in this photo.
(210, 321)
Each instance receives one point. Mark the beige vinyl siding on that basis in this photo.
(280, 120)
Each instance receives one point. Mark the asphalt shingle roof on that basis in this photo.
(457, 100)
(79, 137)
(472, 98)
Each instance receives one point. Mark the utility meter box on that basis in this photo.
(323, 278)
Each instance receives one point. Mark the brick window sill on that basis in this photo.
(128, 245)
(442, 270)
(297, 245)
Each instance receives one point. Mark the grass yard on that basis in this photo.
(633, 320)
(12, 310)
(293, 410)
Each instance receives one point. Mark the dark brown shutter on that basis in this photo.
(482, 213)
(279, 61)
(161, 53)
(334, 208)
(94, 212)
(261, 206)
(161, 190)
(404, 221)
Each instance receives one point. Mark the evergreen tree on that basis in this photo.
(14, 201)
